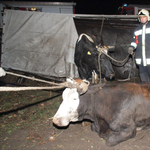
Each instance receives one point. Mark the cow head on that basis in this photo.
(86, 57)
(67, 111)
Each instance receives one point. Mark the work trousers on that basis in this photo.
(144, 72)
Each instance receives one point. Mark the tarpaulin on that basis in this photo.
(39, 42)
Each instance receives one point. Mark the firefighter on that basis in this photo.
(141, 45)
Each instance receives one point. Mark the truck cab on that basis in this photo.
(132, 9)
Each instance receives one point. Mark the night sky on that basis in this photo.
(109, 7)
(104, 6)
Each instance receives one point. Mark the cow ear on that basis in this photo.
(82, 86)
(81, 90)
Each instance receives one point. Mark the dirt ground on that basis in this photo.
(75, 137)
(26, 124)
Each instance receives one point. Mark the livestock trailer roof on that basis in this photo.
(36, 3)
(111, 20)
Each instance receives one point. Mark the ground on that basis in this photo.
(26, 124)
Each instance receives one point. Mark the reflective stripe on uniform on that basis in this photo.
(143, 45)
(147, 30)
(138, 61)
(134, 44)
(139, 32)
(148, 61)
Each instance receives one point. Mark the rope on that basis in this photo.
(130, 71)
(59, 86)
(102, 26)
(32, 78)
(101, 50)
(28, 88)
(99, 67)
(123, 61)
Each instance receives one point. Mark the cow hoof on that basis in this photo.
(85, 123)
(111, 142)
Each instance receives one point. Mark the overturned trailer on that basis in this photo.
(44, 43)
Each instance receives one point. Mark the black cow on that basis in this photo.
(115, 111)
(86, 57)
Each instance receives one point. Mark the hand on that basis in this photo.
(130, 50)
(2, 72)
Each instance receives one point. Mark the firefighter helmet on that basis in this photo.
(144, 12)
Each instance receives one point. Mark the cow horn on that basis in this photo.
(81, 85)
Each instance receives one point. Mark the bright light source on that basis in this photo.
(124, 5)
(33, 8)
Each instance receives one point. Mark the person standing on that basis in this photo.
(141, 45)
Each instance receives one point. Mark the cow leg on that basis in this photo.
(93, 127)
(102, 128)
(127, 131)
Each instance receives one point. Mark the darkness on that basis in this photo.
(104, 6)
(97, 7)
(109, 7)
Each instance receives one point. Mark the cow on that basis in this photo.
(86, 57)
(116, 111)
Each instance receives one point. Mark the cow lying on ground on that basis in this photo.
(115, 111)
(86, 58)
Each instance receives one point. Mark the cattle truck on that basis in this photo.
(132, 9)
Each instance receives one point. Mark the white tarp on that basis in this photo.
(40, 43)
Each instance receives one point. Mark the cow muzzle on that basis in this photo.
(58, 122)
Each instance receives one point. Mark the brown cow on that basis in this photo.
(115, 111)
